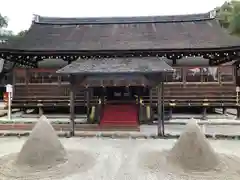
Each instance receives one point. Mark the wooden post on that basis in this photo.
(170, 112)
(103, 96)
(159, 105)
(99, 110)
(224, 111)
(102, 105)
(27, 79)
(163, 109)
(14, 77)
(151, 105)
(72, 105)
(204, 113)
(238, 113)
(88, 105)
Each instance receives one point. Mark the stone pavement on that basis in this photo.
(177, 118)
(215, 125)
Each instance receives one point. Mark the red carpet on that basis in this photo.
(120, 115)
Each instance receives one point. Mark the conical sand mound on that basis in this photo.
(44, 157)
(191, 157)
(43, 148)
(193, 151)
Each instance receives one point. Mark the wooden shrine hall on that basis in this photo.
(150, 68)
(123, 71)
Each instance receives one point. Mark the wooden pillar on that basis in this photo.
(72, 105)
(151, 105)
(204, 113)
(99, 110)
(163, 108)
(27, 79)
(170, 112)
(224, 110)
(88, 105)
(14, 77)
(174, 61)
(161, 113)
(102, 105)
(159, 110)
(103, 95)
(238, 113)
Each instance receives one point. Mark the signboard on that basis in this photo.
(9, 88)
(237, 89)
(9, 91)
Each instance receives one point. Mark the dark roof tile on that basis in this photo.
(116, 65)
(121, 20)
(118, 80)
(130, 33)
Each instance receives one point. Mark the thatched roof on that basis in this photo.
(125, 33)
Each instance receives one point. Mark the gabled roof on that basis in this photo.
(117, 80)
(198, 31)
(130, 65)
(120, 20)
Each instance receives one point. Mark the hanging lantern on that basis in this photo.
(5, 97)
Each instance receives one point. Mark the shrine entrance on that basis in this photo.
(124, 94)
(118, 79)
(120, 94)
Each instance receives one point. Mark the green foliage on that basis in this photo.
(229, 16)
(234, 25)
(3, 21)
(6, 35)
(22, 33)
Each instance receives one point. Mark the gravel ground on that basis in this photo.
(117, 158)
(208, 129)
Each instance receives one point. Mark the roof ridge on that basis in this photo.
(122, 20)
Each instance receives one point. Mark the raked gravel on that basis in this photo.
(115, 157)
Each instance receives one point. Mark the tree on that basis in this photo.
(22, 33)
(224, 14)
(4, 34)
(234, 25)
(229, 16)
(7, 35)
(3, 21)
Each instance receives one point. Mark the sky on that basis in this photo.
(20, 12)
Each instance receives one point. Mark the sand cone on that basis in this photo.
(192, 150)
(42, 147)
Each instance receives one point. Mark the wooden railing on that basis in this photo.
(49, 95)
(196, 95)
(177, 94)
